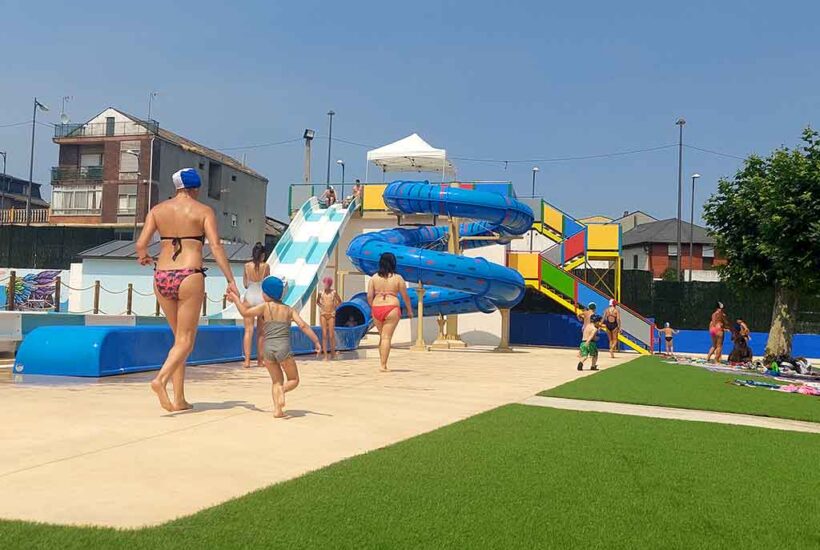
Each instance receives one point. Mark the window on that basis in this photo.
(91, 159)
(126, 203)
(708, 263)
(129, 160)
(109, 126)
(234, 221)
(673, 250)
(233, 177)
(76, 200)
(215, 180)
(202, 166)
(635, 261)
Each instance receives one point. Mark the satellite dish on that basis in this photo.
(64, 119)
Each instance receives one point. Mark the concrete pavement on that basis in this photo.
(671, 413)
(102, 452)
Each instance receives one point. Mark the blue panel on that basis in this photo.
(549, 329)
(105, 351)
(587, 294)
(571, 227)
(699, 341)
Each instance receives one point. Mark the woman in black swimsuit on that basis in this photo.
(612, 322)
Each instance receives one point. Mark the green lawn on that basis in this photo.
(522, 477)
(650, 381)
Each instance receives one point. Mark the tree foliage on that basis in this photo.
(766, 219)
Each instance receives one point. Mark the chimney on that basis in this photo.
(626, 213)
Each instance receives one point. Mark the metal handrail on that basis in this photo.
(80, 173)
(103, 129)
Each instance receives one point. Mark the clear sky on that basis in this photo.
(483, 79)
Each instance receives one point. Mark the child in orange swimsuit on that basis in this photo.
(328, 300)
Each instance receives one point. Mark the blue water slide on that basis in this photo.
(454, 284)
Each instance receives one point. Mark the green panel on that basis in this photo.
(32, 321)
(558, 279)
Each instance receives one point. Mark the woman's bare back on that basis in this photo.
(386, 289)
(180, 217)
(254, 274)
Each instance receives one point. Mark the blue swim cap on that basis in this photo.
(273, 287)
(187, 178)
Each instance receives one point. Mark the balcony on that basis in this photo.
(12, 216)
(67, 174)
(106, 129)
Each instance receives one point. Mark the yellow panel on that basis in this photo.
(553, 218)
(602, 236)
(525, 264)
(373, 199)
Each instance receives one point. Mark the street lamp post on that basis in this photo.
(692, 229)
(151, 96)
(329, 144)
(5, 187)
(308, 136)
(137, 154)
(535, 171)
(341, 163)
(680, 122)
(37, 105)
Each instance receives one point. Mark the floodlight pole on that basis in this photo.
(680, 122)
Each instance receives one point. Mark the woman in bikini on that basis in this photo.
(255, 271)
(612, 322)
(183, 224)
(383, 296)
(328, 300)
(276, 350)
(717, 326)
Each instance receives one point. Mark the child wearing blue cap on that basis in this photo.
(276, 351)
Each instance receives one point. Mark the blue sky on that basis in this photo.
(486, 80)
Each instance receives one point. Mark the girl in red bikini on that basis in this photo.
(179, 278)
(383, 296)
(718, 324)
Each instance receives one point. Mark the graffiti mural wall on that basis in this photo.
(34, 289)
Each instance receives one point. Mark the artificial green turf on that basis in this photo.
(650, 381)
(522, 477)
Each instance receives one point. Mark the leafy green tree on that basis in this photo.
(766, 221)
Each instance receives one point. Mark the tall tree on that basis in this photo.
(766, 222)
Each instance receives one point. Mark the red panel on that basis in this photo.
(574, 246)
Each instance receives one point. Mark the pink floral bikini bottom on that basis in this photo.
(168, 281)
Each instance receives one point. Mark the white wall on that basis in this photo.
(628, 258)
(539, 242)
(115, 275)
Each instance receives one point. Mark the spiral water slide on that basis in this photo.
(454, 284)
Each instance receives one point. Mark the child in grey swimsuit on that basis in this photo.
(276, 350)
(277, 341)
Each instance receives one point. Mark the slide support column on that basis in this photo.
(504, 344)
(454, 247)
(420, 345)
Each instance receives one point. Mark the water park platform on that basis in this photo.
(102, 452)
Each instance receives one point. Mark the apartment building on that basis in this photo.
(115, 167)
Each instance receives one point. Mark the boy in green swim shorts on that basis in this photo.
(589, 343)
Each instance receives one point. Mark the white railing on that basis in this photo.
(18, 215)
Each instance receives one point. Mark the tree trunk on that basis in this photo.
(784, 317)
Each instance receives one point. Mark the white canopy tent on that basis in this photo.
(410, 154)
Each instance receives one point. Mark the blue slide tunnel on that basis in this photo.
(454, 284)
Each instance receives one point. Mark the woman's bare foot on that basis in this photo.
(158, 388)
(384, 368)
(246, 365)
(279, 413)
(184, 406)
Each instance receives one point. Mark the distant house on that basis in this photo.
(13, 193)
(595, 219)
(630, 220)
(274, 229)
(652, 246)
(115, 167)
